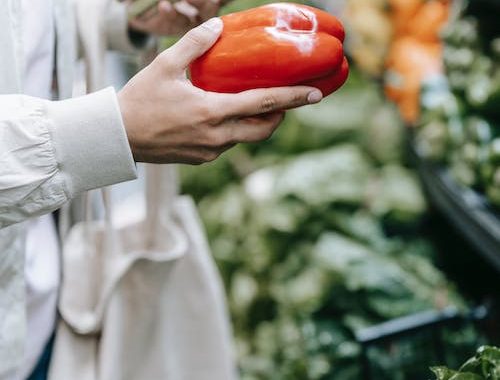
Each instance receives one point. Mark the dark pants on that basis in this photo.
(42, 368)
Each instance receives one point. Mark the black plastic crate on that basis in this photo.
(405, 348)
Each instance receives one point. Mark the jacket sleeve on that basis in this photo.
(51, 151)
(119, 36)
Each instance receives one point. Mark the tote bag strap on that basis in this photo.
(161, 222)
(161, 189)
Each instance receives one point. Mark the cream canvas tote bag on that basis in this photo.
(142, 301)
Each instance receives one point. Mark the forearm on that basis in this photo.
(51, 151)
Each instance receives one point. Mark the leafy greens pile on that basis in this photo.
(485, 365)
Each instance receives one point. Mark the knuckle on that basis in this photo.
(217, 139)
(269, 103)
(166, 56)
(210, 156)
(165, 60)
(204, 112)
(209, 113)
(261, 134)
(203, 155)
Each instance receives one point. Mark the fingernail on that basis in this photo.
(214, 24)
(314, 97)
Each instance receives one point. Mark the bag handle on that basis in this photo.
(161, 186)
(161, 191)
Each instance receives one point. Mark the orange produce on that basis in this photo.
(415, 52)
(409, 62)
(402, 12)
(429, 21)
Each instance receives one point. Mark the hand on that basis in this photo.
(167, 19)
(168, 120)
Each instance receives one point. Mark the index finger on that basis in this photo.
(264, 100)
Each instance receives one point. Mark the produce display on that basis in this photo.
(316, 233)
(461, 122)
(274, 45)
(485, 365)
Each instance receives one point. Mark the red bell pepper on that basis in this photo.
(280, 44)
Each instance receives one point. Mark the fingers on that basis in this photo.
(260, 101)
(200, 3)
(186, 9)
(245, 130)
(148, 14)
(217, 139)
(165, 7)
(206, 8)
(195, 43)
(152, 20)
(255, 129)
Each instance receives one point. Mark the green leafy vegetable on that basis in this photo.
(485, 365)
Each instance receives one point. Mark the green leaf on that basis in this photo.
(443, 373)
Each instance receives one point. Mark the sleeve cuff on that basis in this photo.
(120, 37)
(90, 141)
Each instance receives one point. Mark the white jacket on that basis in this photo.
(50, 151)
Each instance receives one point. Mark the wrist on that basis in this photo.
(128, 124)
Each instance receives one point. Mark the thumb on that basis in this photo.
(195, 43)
